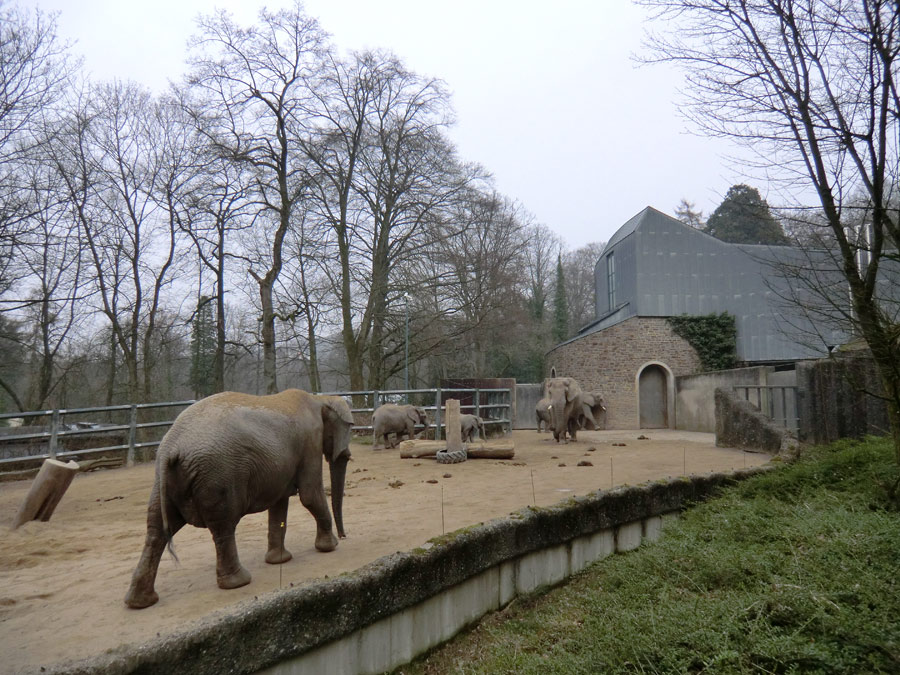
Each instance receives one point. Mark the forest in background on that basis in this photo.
(287, 216)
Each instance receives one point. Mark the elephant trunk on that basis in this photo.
(338, 471)
(559, 417)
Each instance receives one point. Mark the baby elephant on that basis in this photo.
(542, 413)
(468, 424)
(396, 419)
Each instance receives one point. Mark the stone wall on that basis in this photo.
(740, 425)
(609, 360)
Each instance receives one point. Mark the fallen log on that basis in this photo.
(100, 463)
(502, 449)
(46, 490)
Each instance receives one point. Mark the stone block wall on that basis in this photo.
(609, 360)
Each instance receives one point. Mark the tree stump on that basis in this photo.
(455, 451)
(46, 490)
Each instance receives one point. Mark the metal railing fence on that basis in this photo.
(777, 402)
(138, 433)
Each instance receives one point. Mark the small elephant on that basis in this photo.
(231, 454)
(396, 419)
(592, 408)
(468, 424)
(542, 413)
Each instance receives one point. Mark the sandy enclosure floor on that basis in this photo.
(62, 582)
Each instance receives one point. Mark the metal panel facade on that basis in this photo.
(665, 268)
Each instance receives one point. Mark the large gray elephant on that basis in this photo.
(565, 407)
(468, 424)
(232, 454)
(400, 420)
(542, 413)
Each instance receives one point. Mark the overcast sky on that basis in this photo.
(547, 97)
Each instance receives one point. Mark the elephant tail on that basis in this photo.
(166, 463)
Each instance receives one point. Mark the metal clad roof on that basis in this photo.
(666, 268)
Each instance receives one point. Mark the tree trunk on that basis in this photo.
(46, 490)
(268, 337)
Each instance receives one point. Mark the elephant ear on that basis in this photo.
(413, 414)
(341, 408)
(573, 390)
(338, 421)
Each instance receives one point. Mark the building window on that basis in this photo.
(611, 280)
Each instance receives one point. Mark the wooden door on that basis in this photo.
(653, 400)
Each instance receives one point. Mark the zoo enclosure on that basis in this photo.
(135, 429)
(778, 403)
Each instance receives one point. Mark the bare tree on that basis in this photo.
(252, 82)
(50, 259)
(580, 283)
(812, 88)
(385, 175)
(34, 70)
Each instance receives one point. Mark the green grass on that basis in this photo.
(793, 571)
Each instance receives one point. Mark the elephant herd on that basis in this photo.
(567, 408)
(401, 420)
(233, 454)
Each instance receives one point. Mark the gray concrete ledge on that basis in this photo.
(399, 606)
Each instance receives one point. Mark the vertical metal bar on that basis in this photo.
(132, 434)
(478, 402)
(54, 431)
(437, 415)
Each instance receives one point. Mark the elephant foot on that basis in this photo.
(276, 556)
(137, 600)
(236, 580)
(326, 541)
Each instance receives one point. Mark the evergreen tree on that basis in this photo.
(203, 349)
(744, 217)
(560, 305)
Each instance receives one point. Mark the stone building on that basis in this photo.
(655, 267)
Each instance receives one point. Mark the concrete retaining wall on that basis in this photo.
(695, 406)
(386, 613)
(740, 425)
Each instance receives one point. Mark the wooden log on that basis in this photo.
(502, 449)
(46, 490)
(100, 463)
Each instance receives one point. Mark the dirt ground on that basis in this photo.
(62, 582)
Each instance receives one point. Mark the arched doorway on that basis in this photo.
(653, 397)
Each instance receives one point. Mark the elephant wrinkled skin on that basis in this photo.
(400, 420)
(468, 424)
(565, 407)
(232, 454)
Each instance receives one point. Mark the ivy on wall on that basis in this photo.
(713, 337)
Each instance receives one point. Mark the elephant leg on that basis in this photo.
(277, 553)
(312, 496)
(573, 428)
(229, 571)
(141, 593)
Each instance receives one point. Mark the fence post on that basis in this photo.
(132, 435)
(437, 415)
(54, 430)
(478, 402)
(509, 410)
